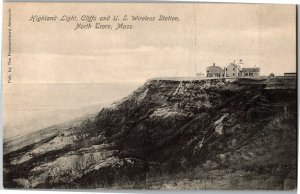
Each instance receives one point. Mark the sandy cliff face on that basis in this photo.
(226, 134)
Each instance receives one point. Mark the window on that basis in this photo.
(225, 69)
(250, 74)
(246, 74)
(233, 74)
(233, 69)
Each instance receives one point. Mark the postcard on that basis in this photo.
(158, 96)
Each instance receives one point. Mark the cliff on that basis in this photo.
(196, 134)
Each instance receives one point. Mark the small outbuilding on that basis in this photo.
(290, 74)
(271, 75)
(200, 75)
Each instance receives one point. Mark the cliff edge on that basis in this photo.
(168, 134)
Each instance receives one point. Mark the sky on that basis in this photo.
(262, 35)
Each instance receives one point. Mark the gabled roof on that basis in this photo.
(235, 65)
(214, 69)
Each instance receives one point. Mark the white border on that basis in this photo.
(135, 191)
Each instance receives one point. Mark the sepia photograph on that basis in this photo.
(149, 96)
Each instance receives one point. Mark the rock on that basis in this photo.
(210, 165)
(290, 182)
(165, 128)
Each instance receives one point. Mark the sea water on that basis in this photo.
(31, 107)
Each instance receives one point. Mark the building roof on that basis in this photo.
(290, 73)
(235, 65)
(251, 69)
(214, 69)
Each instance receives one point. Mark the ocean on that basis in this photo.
(31, 107)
